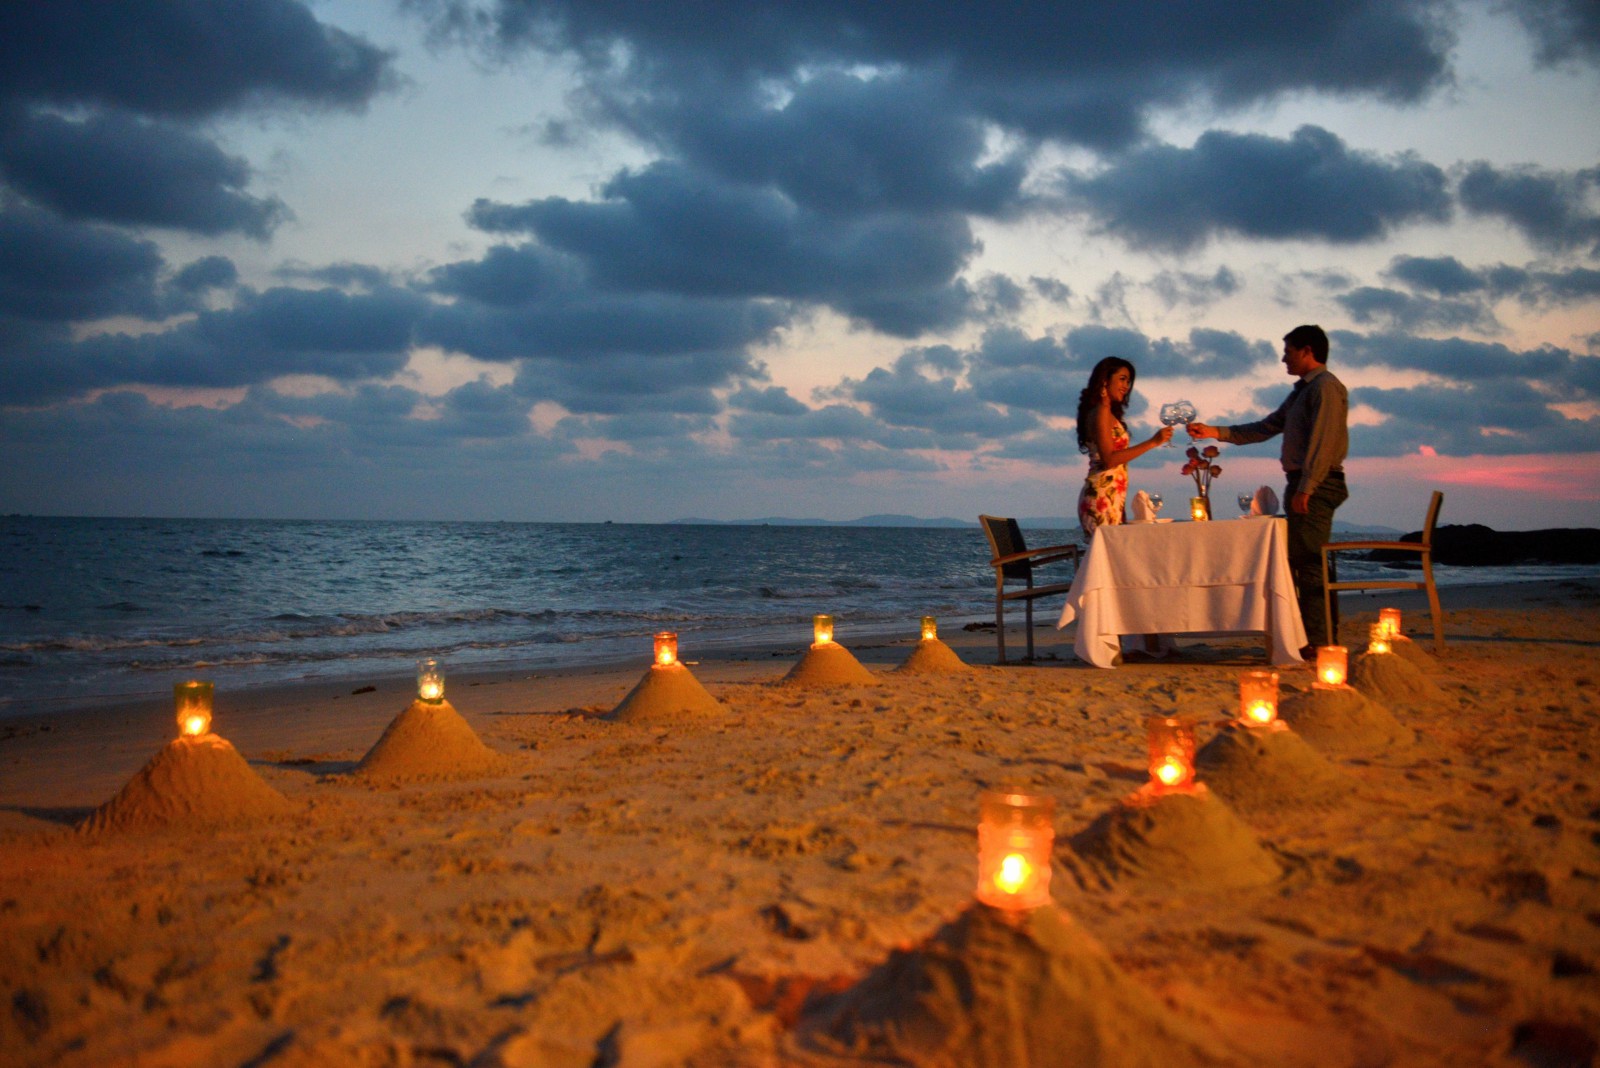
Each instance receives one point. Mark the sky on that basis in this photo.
(587, 260)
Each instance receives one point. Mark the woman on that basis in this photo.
(1103, 436)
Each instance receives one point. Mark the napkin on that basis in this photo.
(1143, 510)
(1266, 502)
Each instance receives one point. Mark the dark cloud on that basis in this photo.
(1194, 290)
(1564, 29)
(1448, 277)
(1552, 209)
(1078, 72)
(1444, 276)
(770, 400)
(206, 273)
(263, 336)
(667, 228)
(1310, 187)
(1404, 311)
(906, 396)
(1475, 418)
(680, 383)
(839, 424)
(120, 169)
(52, 271)
(1560, 374)
(846, 144)
(181, 58)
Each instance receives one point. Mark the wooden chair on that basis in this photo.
(1014, 562)
(1331, 589)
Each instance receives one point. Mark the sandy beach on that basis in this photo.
(728, 889)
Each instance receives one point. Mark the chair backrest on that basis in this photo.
(1005, 538)
(1433, 517)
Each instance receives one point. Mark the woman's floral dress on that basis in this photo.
(1105, 490)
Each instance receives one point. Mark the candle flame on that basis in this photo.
(1261, 711)
(1015, 871)
(195, 724)
(1171, 772)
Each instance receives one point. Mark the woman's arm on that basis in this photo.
(1103, 420)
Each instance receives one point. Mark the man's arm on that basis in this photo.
(1244, 433)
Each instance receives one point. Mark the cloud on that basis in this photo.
(181, 59)
(770, 400)
(1550, 208)
(120, 169)
(667, 228)
(262, 337)
(1532, 285)
(1558, 373)
(1476, 418)
(905, 396)
(1564, 29)
(1071, 72)
(1403, 311)
(1185, 288)
(1310, 186)
(51, 271)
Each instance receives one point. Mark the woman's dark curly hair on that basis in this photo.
(1089, 399)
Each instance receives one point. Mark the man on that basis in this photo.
(1313, 422)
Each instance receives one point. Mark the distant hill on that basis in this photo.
(1047, 522)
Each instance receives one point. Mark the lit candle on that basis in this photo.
(1258, 697)
(1390, 618)
(192, 700)
(1015, 835)
(1378, 638)
(1171, 752)
(666, 649)
(822, 630)
(930, 629)
(1198, 509)
(1333, 665)
(430, 681)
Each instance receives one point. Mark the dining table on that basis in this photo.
(1211, 577)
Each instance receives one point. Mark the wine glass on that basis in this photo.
(1155, 503)
(1180, 411)
(1169, 417)
(1245, 501)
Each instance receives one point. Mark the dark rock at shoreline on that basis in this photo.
(1475, 545)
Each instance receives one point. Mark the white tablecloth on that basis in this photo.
(1228, 576)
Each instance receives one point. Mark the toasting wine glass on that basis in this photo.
(1177, 412)
(1245, 501)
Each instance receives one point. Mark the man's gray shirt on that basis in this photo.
(1313, 420)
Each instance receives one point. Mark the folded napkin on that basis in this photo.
(1266, 502)
(1143, 510)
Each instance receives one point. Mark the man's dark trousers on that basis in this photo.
(1307, 535)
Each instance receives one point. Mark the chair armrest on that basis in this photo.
(1404, 546)
(1036, 555)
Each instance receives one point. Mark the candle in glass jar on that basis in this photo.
(1015, 835)
(192, 702)
(821, 630)
(1333, 665)
(1258, 697)
(430, 681)
(666, 649)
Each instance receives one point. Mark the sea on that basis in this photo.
(95, 609)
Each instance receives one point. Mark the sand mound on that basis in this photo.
(1189, 840)
(933, 657)
(1385, 677)
(1342, 720)
(984, 990)
(1413, 653)
(1257, 767)
(193, 782)
(667, 694)
(428, 741)
(829, 665)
